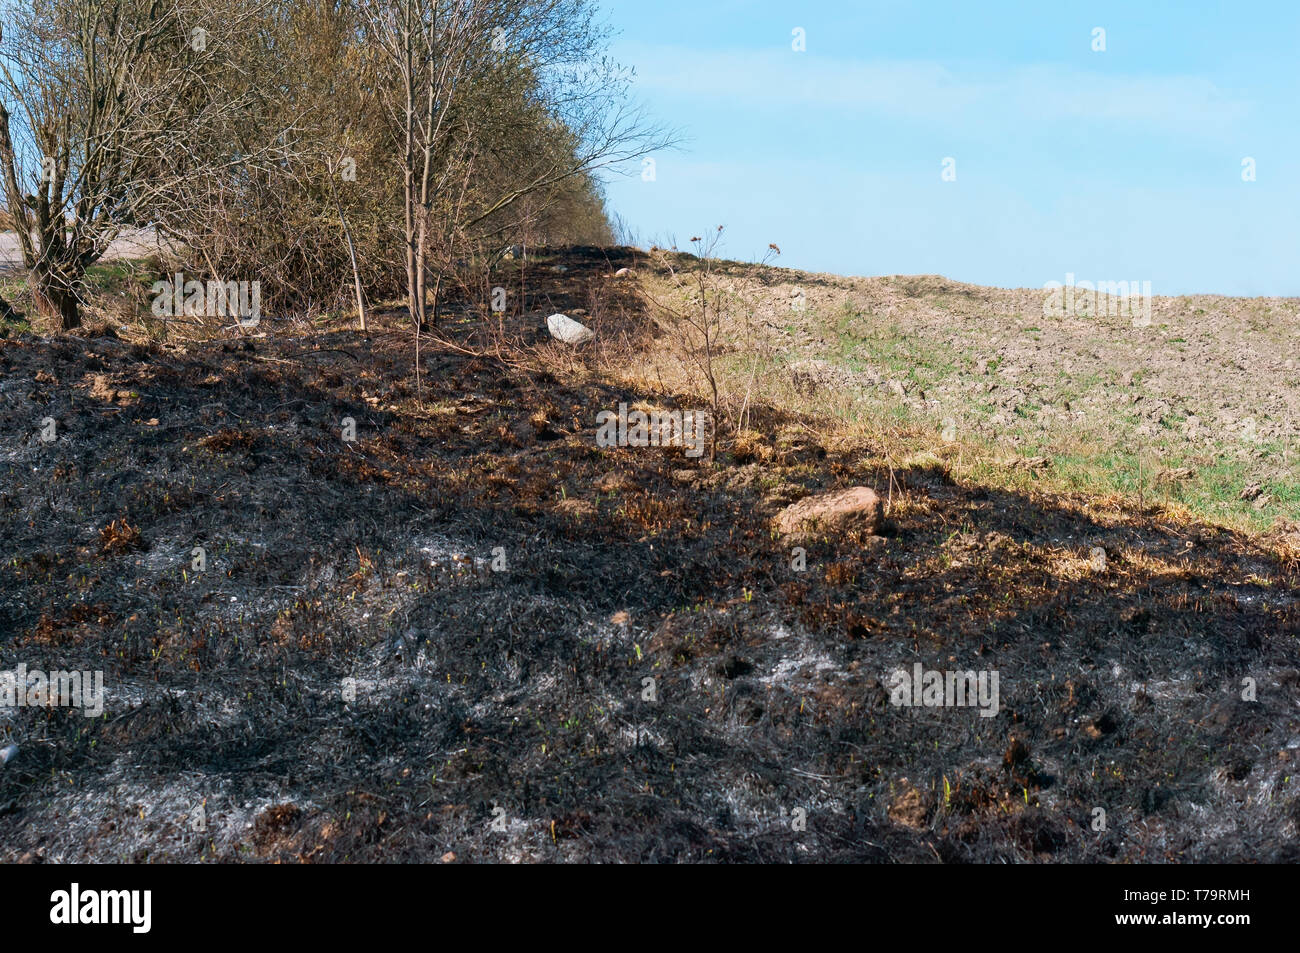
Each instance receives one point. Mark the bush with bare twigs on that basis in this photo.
(700, 315)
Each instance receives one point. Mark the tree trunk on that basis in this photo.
(352, 250)
(57, 300)
(414, 284)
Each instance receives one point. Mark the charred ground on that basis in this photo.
(522, 690)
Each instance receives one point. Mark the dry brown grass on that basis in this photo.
(762, 337)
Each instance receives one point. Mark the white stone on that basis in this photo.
(564, 328)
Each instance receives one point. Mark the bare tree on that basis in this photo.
(428, 48)
(495, 101)
(96, 97)
(352, 250)
(224, 124)
(698, 320)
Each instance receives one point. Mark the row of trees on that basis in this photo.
(329, 149)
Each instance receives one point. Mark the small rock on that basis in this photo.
(8, 753)
(855, 509)
(1031, 463)
(623, 273)
(564, 328)
(449, 857)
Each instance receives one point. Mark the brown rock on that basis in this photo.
(857, 509)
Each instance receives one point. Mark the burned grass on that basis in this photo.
(433, 643)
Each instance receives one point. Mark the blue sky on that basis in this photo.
(1117, 165)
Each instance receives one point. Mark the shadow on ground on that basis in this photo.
(436, 639)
